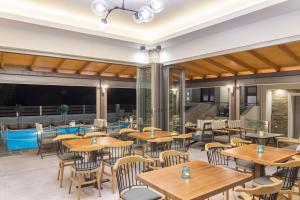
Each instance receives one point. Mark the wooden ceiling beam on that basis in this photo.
(192, 71)
(86, 64)
(123, 70)
(33, 63)
(56, 68)
(103, 69)
(241, 63)
(264, 60)
(210, 71)
(1, 60)
(289, 53)
(220, 65)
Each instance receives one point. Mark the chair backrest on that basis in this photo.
(87, 158)
(120, 149)
(287, 172)
(238, 142)
(126, 170)
(150, 128)
(95, 134)
(39, 127)
(264, 192)
(159, 145)
(181, 142)
(172, 157)
(218, 124)
(61, 149)
(100, 123)
(214, 155)
(234, 123)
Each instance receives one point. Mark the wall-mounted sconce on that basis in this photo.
(104, 88)
(174, 90)
(230, 88)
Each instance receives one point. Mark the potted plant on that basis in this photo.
(63, 110)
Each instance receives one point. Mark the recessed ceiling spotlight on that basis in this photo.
(144, 14)
(158, 47)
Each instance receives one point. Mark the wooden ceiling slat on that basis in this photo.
(210, 71)
(123, 70)
(289, 53)
(33, 63)
(87, 64)
(241, 63)
(106, 67)
(60, 64)
(265, 60)
(220, 65)
(1, 60)
(194, 72)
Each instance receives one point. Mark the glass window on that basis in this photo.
(251, 95)
(207, 94)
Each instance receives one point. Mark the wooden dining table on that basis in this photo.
(264, 138)
(87, 143)
(206, 181)
(249, 153)
(145, 136)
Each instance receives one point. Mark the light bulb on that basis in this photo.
(99, 8)
(157, 5)
(145, 14)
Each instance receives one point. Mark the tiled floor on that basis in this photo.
(27, 177)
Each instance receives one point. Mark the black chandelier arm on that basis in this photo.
(119, 8)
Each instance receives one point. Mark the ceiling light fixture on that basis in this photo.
(144, 14)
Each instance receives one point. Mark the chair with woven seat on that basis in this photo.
(156, 146)
(150, 129)
(100, 125)
(129, 187)
(172, 157)
(116, 151)
(45, 139)
(214, 155)
(95, 134)
(219, 128)
(182, 142)
(287, 172)
(235, 126)
(88, 164)
(242, 164)
(64, 155)
(265, 192)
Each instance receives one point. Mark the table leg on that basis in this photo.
(226, 195)
(259, 171)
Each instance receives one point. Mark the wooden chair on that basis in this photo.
(172, 157)
(182, 142)
(88, 164)
(150, 128)
(235, 126)
(64, 155)
(124, 133)
(116, 151)
(95, 134)
(287, 172)
(265, 192)
(242, 164)
(129, 187)
(100, 124)
(156, 146)
(214, 155)
(285, 141)
(219, 128)
(44, 139)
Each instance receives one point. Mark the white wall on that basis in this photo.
(224, 94)
(240, 37)
(50, 41)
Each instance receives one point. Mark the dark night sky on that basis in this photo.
(35, 95)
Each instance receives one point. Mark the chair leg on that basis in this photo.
(98, 177)
(226, 195)
(79, 186)
(62, 173)
(58, 173)
(70, 186)
(113, 183)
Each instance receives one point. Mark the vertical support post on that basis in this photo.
(103, 101)
(41, 110)
(237, 101)
(98, 100)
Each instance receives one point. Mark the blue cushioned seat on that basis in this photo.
(265, 180)
(245, 163)
(86, 166)
(140, 194)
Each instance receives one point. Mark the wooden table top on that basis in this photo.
(249, 153)
(264, 136)
(147, 135)
(87, 142)
(206, 180)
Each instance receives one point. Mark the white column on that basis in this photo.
(237, 102)
(98, 100)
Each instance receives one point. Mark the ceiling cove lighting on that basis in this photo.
(144, 14)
